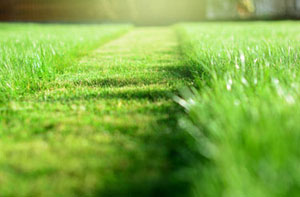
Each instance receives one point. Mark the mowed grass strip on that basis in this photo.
(96, 129)
(244, 113)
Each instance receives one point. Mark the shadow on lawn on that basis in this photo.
(166, 143)
(167, 152)
(174, 73)
(181, 73)
(163, 170)
(151, 95)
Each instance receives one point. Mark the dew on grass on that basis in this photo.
(290, 99)
(228, 87)
(255, 81)
(276, 81)
(229, 84)
(242, 57)
(237, 102)
(244, 81)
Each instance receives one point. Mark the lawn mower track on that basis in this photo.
(107, 126)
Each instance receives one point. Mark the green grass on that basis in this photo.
(244, 112)
(103, 125)
(31, 55)
(89, 110)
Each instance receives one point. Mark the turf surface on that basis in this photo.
(102, 127)
(244, 112)
(31, 54)
(104, 122)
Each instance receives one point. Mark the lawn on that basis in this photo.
(82, 116)
(200, 109)
(33, 54)
(244, 111)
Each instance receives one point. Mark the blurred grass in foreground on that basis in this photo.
(245, 112)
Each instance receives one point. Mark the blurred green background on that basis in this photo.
(145, 12)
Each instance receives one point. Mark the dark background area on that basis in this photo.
(136, 11)
(145, 12)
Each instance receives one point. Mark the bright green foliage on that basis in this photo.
(102, 126)
(32, 54)
(245, 112)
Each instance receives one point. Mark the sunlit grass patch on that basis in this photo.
(32, 54)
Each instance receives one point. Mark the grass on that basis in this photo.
(103, 125)
(85, 111)
(34, 54)
(244, 111)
